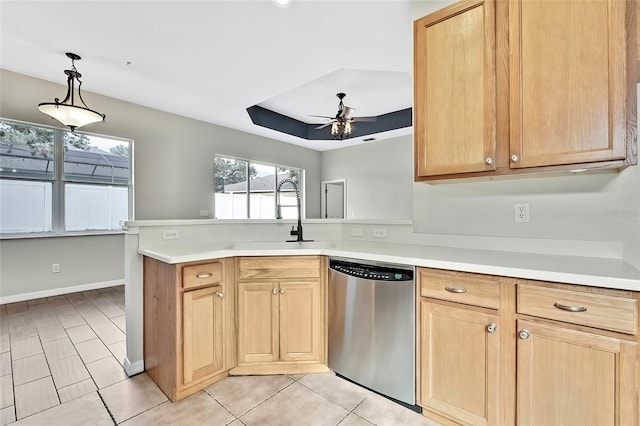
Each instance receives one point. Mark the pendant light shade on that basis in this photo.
(66, 111)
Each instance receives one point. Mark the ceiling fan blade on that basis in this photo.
(368, 119)
(323, 126)
(346, 112)
(322, 116)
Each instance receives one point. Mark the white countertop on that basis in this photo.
(598, 272)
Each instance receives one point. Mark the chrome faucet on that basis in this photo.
(294, 231)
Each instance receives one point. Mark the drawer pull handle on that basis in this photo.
(523, 334)
(274, 291)
(220, 294)
(455, 289)
(492, 327)
(282, 290)
(204, 275)
(570, 308)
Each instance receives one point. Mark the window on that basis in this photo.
(247, 189)
(55, 181)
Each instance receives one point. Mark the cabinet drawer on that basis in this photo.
(198, 275)
(608, 312)
(461, 287)
(279, 267)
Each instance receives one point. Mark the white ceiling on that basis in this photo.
(210, 60)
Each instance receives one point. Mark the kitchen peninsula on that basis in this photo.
(520, 282)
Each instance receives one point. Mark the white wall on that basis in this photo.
(173, 167)
(379, 177)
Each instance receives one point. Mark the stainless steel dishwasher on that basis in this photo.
(372, 326)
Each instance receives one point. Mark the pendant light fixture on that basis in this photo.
(66, 111)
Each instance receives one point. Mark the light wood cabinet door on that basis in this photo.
(203, 337)
(299, 321)
(568, 377)
(568, 81)
(459, 363)
(257, 322)
(455, 90)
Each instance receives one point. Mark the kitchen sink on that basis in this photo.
(281, 245)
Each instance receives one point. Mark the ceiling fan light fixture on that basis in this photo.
(67, 111)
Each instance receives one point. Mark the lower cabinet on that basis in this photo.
(281, 315)
(529, 353)
(460, 363)
(569, 377)
(189, 338)
(202, 333)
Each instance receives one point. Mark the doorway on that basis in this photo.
(333, 201)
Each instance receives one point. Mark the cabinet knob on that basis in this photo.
(491, 327)
(489, 160)
(220, 294)
(524, 334)
(274, 291)
(282, 291)
(515, 158)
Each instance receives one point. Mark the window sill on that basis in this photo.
(55, 235)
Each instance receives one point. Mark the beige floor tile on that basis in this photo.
(81, 333)
(7, 415)
(67, 371)
(106, 372)
(19, 319)
(52, 300)
(22, 331)
(76, 297)
(111, 310)
(119, 351)
(236, 423)
(58, 349)
(96, 321)
(120, 322)
(338, 390)
(17, 308)
(87, 310)
(5, 363)
(25, 347)
(76, 390)
(353, 420)
(132, 397)
(35, 396)
(242, 393)
(46, 320)
(71, 319)
(29, 369)
(110, 334)
(51, 332)
(296, 377)
(382, 412)
(92, 350)
(5, 343)
(292, 404)
(106, 290)
(198, 409)
(34, 302)
(6, 391)
(41, 309)
(84, 411)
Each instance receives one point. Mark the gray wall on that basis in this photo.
(379, 177)
(174, 159)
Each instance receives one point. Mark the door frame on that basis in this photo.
(323, 197)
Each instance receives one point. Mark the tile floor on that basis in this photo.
(61, 364)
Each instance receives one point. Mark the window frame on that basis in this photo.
(301, 186)
(58, 185)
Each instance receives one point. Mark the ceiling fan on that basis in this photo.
(342, 123)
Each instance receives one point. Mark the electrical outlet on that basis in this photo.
(55, 268)
(170, 234)
(356, 232)
(380, 232)
(521, 212)
(204, 213)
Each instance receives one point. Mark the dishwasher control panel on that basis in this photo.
(371, 272)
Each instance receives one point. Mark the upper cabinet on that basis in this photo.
(525, 86)
(455, 90)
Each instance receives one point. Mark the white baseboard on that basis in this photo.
(134, 368)
(58, 291)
